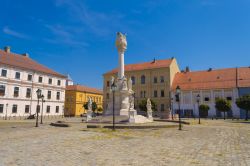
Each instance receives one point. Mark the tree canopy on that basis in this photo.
(244, 103)
(222, 105)
(203, 108)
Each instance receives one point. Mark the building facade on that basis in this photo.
(211, 84)
(20, 78)
(149, 80)
(77, 95)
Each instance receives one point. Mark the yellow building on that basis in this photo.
(77, 95)
(150, 80)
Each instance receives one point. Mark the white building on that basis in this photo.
(210, 84)
(20, 78)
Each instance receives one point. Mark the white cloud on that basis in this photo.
(14, 33)
(101, 24)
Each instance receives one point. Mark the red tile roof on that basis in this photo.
(215, 79)
(145, 65)
(82, 88)
(25, 62)
(244, 77)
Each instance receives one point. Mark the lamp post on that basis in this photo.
(178, 92)
(6, 111)
(198, 104)
(43, 101)
(172, 107)
(38, 92)
(113, 89)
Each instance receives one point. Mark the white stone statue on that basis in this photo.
(112, 80)
(121, 42)
(130, 84)
(124, 84)
(90, 102)
(132, 101)
(89, 111)
(149, 109)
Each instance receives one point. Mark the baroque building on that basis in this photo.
(20, 78)
(229, 83)
(149, 80)
(77, 95)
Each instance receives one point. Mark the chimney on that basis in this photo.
(154, 60)
(187, 69)
(7, 49)
(26, 54)
(210, 69)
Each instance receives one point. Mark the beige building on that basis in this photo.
(150, 80)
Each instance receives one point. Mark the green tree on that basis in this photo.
(143, 105)
(203, 109)
(244, 103)
(223, 105)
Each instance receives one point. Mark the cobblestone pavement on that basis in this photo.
(212, 143)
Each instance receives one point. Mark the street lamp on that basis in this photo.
(172, 107)
(113, 89)
(178, 92)
(198, 104)
(43, 101)
(38, 93)
(6, 111)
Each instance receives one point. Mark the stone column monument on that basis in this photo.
(124, 99)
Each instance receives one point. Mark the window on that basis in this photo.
(27, 108)
(108, 84)
(155, 93)
(58, 95)
(229, 98)
(16, 91)
(162, 79)
(143, 79)
(107, 95)
(162, 93)
(2, 90)
(1, 108)
(14, 109)
(28, 92)
(49, 95)
(4, 73)
(57, 109)
(58, 82)
(38, 108)
(50, 81)
(155, 79)
(40, 79)
(133, 80)
(206, 99)
(29, 77)
(162, 107)
(48, 109)
(17, 76)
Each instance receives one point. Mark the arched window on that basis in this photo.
(143, 79)
(133, 80)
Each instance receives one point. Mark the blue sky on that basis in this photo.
(77, 37)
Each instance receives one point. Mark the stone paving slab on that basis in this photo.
(210, 144)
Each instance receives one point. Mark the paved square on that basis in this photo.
(214, 142)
